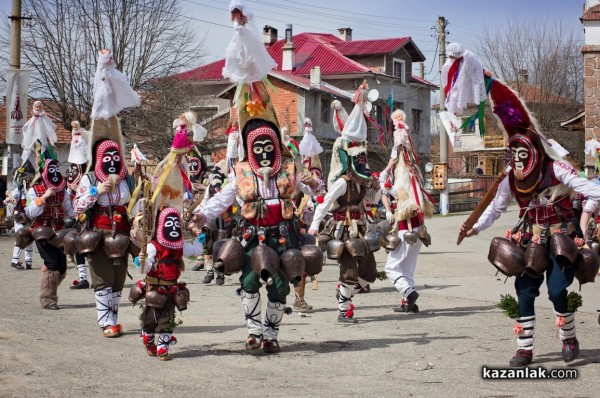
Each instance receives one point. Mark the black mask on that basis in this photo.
(172, 228)
(360, 164)
(54, 175)
(73, 173)
(264, 151)
(194, 166)
(111, 161)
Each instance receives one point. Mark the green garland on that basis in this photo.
(509, 306)
(381, 275)
(574, 301)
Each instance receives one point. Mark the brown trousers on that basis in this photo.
(351, 269)
(107, 272)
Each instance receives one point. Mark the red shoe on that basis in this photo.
(112, 331)
(163, 354)
(149, 345)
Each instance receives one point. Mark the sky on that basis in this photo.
(467, 19)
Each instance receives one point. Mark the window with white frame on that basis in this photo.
(399, 69)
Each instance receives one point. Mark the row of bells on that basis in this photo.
(511, 259)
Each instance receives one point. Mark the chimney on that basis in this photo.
(345, 34)
(315, 76)
(523, 76)
(269, 35)
(288, 50)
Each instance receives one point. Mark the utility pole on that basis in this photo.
(444, 197)
(15, 35)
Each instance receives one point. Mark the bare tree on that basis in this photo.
(149, 39)
(541, 59)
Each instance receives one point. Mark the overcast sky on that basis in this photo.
(468, 19)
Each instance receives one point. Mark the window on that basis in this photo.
(378, 114)
(399, 69)
(470, 128)
(417, 114)
(325, 111)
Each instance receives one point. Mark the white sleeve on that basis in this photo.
(302, 187)
(192, 250)
(337, 189)
(373, 195)
(32, 210)
(68, 206)
(150, 257)
(218, 203)
(568, 176)
(83, 200)
(591, 206)
(496, 208)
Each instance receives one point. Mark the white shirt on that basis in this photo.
(219, 203)
(33, 210)
(83, 200)
(563, 172)
(189, 250)
(337, 189)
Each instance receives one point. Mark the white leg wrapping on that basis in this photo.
(525, 338)
(273, 317)
(16, 254)
(345, 299)
(567, 331)
(164, 340)
(401, 263)
(82, 271)
(116, 301)
(251, 306)
(104, 307)
(29, 255)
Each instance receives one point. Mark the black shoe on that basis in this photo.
(570, 349)
(198, 267)
(342, 317)
(17, 266)
(84, 284)
(220, 280)
(208, 278)
(403, 308)
(410, 302)
(521, 358)
(28, 266)
(52, 306)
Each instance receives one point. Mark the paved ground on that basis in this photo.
(439, 351)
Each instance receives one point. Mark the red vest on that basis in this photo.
(54, 214)
(168, 261)
(560, 211)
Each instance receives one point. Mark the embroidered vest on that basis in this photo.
(247, 189)
(352, 198)
(53, 214)
(541, 214)
(168, 263)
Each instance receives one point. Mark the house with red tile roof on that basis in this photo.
(313, 69)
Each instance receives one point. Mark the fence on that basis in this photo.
(465, 195)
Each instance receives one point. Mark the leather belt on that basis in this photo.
(161, 282)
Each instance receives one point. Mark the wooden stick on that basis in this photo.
(483, 204)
